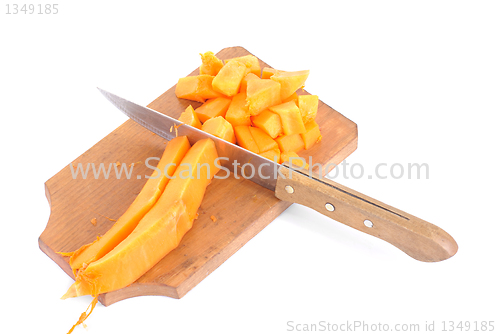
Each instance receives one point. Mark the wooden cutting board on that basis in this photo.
(82, 209)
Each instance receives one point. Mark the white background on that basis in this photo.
(421, 80)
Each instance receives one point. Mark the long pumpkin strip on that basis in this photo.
(174, 152)
(158, 232)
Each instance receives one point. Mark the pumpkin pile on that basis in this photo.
(260, 112)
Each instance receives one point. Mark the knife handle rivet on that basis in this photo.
(289, 189)
(368, 223)
(330, 207)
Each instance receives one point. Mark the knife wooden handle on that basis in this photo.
(417, 238)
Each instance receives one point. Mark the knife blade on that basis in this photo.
(418, 238)
(238, 159)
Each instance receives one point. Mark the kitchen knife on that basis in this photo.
(416, 237)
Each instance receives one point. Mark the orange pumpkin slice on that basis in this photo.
(189, 117)
(174, 153)
(210, 64)
(219, 127)
(291, 118)
(290, 81)
(158, 232)
(196, 88)
(213, 108)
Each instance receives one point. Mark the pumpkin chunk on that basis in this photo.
(291, 118)
(262, 94)
(263, 140)
(228, 80)
(172, 156)
(158, 232)
(273, 155)
(249, 76)
(308, 105)
(210, 64)
(291, 143)
(237, 113)
(196, 88)
(294, 97)
(269, 122)
(213, 108)
(251, 62)
(189, 117)
(294, 159)
(219, 127)
(312, 134)
(290, 81)
(268, 72)
(245, 139)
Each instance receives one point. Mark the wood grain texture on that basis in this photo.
(419, 239)
(75, 202)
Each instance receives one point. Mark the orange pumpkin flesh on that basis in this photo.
(312, 134)
(290, 116)
(158, 232)
(245, 139)
(262, 94)
(210, 64)
(172, 156)
(189, 117)
(294, 159)
(269, 122)
(213, 108)
(219, 127)
(268, 72)
(196, 88)
(290, 81)
(308, 105)
(263, 140)
(271, 103)
(251, 62)
(291, 143)
(294, 97)
(273, 155)
(244, 82)
(228, 80)
(237, 113)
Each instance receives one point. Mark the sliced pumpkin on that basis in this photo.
(269, 122)
(291, 143)
(219, 127)
(245, 139)
(290, 116)
(237, 113)
(263, 140)
(273, 155)
(196, 88)
(308, 105)
(294, 159)
(262, 94)
(189, 117)
(294, 97)
(213, 108)
(312, 134)
(158, 232)
(290, 81)
(249, 76)
(268, 72)
(228, 80)
(251, 62)
(172, 156)
(210, 64)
